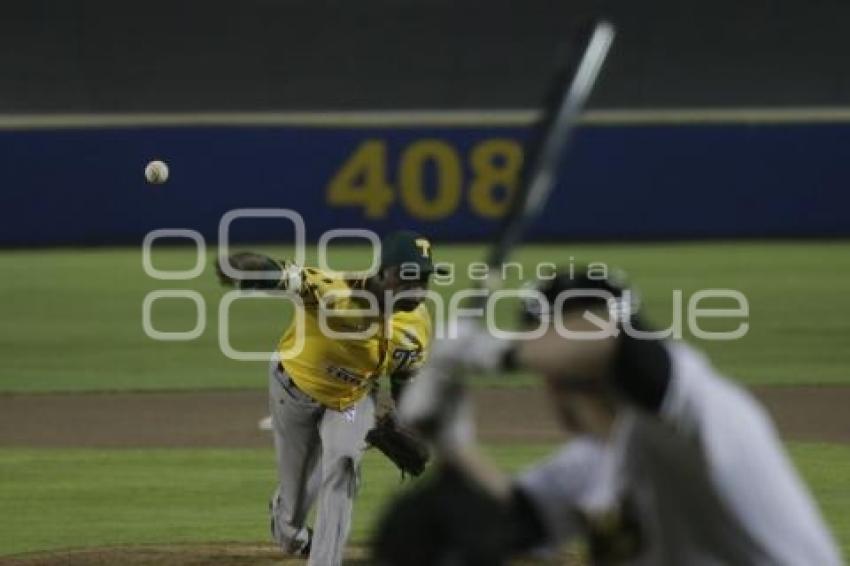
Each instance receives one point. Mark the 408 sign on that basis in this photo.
(432, 178)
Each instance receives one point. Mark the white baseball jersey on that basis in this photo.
(708, 480)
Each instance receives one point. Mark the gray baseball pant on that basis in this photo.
(318, 456)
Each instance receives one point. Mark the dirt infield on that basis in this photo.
(229, 419)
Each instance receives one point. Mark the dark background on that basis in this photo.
(145, 55)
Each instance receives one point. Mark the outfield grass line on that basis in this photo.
(559, 244)
(485, 383)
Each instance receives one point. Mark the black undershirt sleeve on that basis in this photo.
(641, 371)
(398, 382)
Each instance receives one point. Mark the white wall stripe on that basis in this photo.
(443, 118)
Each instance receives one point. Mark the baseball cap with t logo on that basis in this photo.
(410, 251)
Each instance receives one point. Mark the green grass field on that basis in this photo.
(101, 497)
(56, 499)
(72, 319)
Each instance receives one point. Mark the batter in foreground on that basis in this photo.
(670, 463)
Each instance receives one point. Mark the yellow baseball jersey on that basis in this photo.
(338, 371)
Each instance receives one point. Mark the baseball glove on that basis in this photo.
(404, 448)
(251, 262)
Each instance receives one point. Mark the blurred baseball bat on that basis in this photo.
(566, 98)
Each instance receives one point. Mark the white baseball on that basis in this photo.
(156, 172)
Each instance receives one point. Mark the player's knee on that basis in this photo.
(343, 474)
(337, 453)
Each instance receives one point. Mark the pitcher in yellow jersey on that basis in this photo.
(321, 380)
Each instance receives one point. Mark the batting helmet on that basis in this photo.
(581, 288)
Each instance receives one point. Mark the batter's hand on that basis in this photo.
(435, 403)
(437, 406)
(468, 345)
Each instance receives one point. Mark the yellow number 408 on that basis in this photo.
(494, 164)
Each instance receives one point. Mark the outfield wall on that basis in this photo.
(79, 180)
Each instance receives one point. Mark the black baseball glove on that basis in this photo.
(403, 447)
(252, 263)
